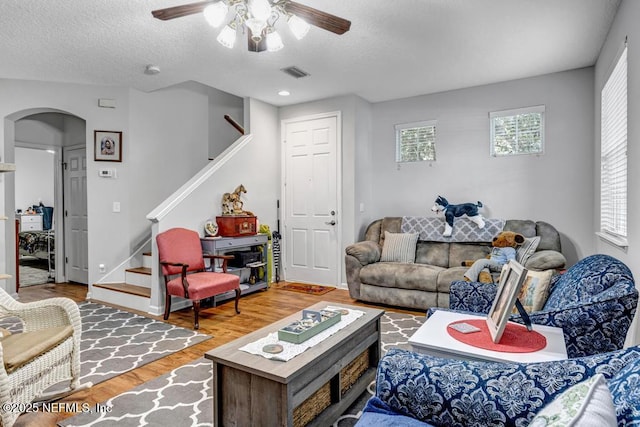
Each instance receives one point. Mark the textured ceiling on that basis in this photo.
(395, 49)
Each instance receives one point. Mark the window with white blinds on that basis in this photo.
(519, 131)
(416, 142)
(613, 152)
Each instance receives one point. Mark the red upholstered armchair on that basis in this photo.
(183, 267)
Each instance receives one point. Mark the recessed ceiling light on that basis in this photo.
(284, 93)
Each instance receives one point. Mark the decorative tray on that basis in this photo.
(312, 323)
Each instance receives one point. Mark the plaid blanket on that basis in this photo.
(464, 230)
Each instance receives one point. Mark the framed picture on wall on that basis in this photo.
(107, 146)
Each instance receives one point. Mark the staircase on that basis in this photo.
(135, 292)
(142, 289)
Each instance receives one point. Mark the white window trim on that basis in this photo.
(618, 241)
(514, 112)
(402, 126)
(613, 236)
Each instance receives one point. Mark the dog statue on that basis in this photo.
(450, 212)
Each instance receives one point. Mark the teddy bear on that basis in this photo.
(503, 249)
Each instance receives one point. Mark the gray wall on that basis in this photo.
(625, 24)
(555, 187)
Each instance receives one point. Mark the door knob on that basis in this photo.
(332, 222)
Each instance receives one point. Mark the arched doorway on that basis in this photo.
(64, 136)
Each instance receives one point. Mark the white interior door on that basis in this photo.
(311, 220)
(75, 205)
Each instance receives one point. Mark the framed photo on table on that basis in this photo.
(107, 146)
(511, 279)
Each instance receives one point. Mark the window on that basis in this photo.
(518, 131)
(416, 142)
(613, 152)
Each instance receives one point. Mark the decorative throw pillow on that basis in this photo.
(527, 249)
(585, 404)
(535, 290)
(399, 247)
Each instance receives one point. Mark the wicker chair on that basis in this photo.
(46, 352)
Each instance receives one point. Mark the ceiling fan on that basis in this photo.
(259, 16)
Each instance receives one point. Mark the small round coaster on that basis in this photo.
(272, 348)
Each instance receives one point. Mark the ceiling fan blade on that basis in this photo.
(179, 11)
(318, 18)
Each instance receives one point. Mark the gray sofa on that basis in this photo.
(426, 282)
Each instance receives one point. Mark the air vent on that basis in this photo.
(294, 71)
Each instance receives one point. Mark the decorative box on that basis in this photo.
(312, 323)
(236, 225)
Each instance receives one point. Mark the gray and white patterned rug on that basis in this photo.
(115, 341)
(185, 395)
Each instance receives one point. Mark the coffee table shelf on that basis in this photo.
(314, 388)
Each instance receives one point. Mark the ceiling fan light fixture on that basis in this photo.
(257, 19)
(298, 26)
(216, 13)
(256, 26)
(259, 9)
(274, 41)
(227, 37)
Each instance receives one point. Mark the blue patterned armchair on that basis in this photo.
(416, 390)
(593, 302)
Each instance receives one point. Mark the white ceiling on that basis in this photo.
(395, 49)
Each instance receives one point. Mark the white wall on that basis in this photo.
(555, 187)
(33, 177)
(21, 98)
(146, 125)
(256, 165)
(221, 133)
(167, 144)
(625, 24)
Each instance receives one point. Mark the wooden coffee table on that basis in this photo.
(313, 388)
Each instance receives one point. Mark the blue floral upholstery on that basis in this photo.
(446, 392)
(593, 302)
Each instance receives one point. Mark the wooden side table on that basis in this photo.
(432, 338)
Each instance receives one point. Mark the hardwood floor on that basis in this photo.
(222, 323)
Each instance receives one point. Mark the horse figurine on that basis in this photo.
(231, 202)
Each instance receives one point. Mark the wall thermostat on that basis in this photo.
(107, 173)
